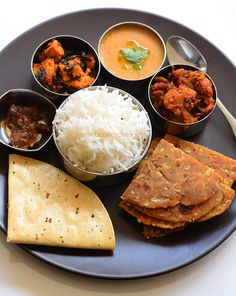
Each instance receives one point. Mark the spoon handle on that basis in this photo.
(231, 120)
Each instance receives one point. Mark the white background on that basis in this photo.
(20, 273)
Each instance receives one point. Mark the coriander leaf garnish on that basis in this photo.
(135, 55)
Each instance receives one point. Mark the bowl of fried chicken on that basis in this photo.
(182, 99)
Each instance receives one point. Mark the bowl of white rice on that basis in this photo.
(101, 132)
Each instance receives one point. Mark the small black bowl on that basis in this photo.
(164, 125)
(72, 45)
(25, 97)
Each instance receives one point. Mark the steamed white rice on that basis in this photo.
(101, 131)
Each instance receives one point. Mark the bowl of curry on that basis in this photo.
(182, 99)
(131, 51)
(64, 64)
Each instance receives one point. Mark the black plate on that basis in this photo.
(134, 257)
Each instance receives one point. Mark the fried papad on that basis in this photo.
(170, 177)
(224, 166)
(48, 207)
(150, 231)
(142, 218)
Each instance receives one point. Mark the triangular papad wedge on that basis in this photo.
(48, 207)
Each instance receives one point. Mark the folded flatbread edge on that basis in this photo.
(48, 207)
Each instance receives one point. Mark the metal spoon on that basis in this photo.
(181, 51)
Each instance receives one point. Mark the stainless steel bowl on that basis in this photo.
(101, 178)
(164, 125)
(71, 44)
(130, 85)
(26, 97)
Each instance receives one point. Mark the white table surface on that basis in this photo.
(215, 274)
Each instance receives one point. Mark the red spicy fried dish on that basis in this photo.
(64, 72)
(186, 96)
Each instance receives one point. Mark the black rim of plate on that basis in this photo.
(134, 256)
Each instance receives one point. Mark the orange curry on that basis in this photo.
(131, 51)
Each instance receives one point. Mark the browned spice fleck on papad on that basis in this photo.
(172, 189)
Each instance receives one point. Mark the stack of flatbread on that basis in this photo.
(179, 183)
(48, 207)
